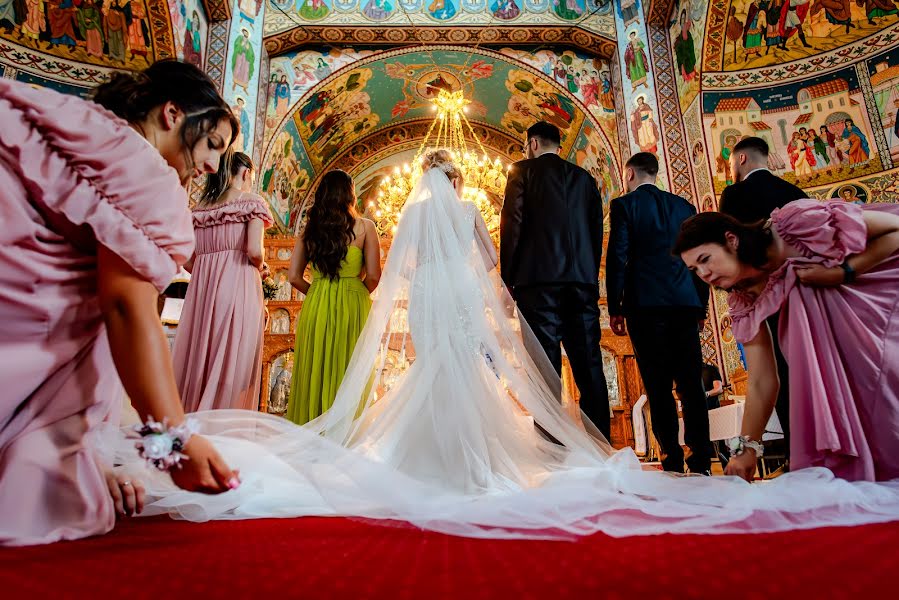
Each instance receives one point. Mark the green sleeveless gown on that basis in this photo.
(330, 322)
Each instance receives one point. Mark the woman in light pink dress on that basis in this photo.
(832, 269)
(218, 345)
(95, 224)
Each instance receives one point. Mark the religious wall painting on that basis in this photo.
(850, 192)
(423, 81)
(378, 10)
(629, 11)
(686, 30)
(123, 34)
(279, 321)
(291, 76)
(762, 33)
(242, 141)
(336, 114)
(249, 11)
(884, 74)
(189, 28)
(590, 153)
(505, 10)
(286, 175)
(592, 15)
(570, 10)
(587, 78)
(644, 125)
(817, 130)
(243, 61)
(636, 63)
(314, 10)
(442, 10)
(278, 388)
(533, 99)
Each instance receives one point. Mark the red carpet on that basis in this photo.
(339, 558)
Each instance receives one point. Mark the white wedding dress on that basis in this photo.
(445, 421)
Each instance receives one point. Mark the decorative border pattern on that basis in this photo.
(51, 67)
(300, 37)
(217, 10)
(216, 50)
(615, 75)
(715, 79)
(671, 120)
(160, 22)
(880, 139)
(261, 102)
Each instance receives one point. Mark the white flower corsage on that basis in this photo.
(160, 444)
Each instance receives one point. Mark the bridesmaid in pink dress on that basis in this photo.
(218, 345)
(832, 268)
(95, 224)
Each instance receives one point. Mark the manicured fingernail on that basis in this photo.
(233, 483)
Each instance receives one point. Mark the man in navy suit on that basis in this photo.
(654, 297)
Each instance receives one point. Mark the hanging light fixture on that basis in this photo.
(483, 177)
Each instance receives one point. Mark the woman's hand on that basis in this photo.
(264, 271)
(127, 493)
(743, 465)
(821, 276)
(205, 470)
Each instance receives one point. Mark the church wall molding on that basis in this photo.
(299, 38)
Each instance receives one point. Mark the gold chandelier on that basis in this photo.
(483, 177)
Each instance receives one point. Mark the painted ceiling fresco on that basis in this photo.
(752, 34)
(390, 92)
(122, 34)
(593, 15)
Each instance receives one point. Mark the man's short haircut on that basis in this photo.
(753, 144)
(545, 133)
(644, 162)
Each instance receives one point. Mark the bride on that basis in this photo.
(449, 418)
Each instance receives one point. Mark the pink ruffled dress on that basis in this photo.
(73, 176)
(841, 343)
(218, 344)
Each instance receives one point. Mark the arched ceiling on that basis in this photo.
(586, 24)
(370, 111)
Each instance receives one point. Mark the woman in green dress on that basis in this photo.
(344, 254)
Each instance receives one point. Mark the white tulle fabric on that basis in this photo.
(445, 420)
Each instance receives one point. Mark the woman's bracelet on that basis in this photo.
(160, 444)
(739, 444)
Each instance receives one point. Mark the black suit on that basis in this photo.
(550, 252)
(663, 303)
(756, 197)
(750, 201)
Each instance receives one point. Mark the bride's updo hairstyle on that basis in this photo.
(442, 159)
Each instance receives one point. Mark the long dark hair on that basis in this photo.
(329, 229)
(712, 227)
(132, 96)
(218, 182)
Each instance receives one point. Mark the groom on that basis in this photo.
(550, 250)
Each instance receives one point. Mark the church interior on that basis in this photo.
(364, 86)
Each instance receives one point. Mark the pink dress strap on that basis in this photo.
(245, 208)
(92, 169)
(823, 232)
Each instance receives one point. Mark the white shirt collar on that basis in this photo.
(642, 184)
(755, 170)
